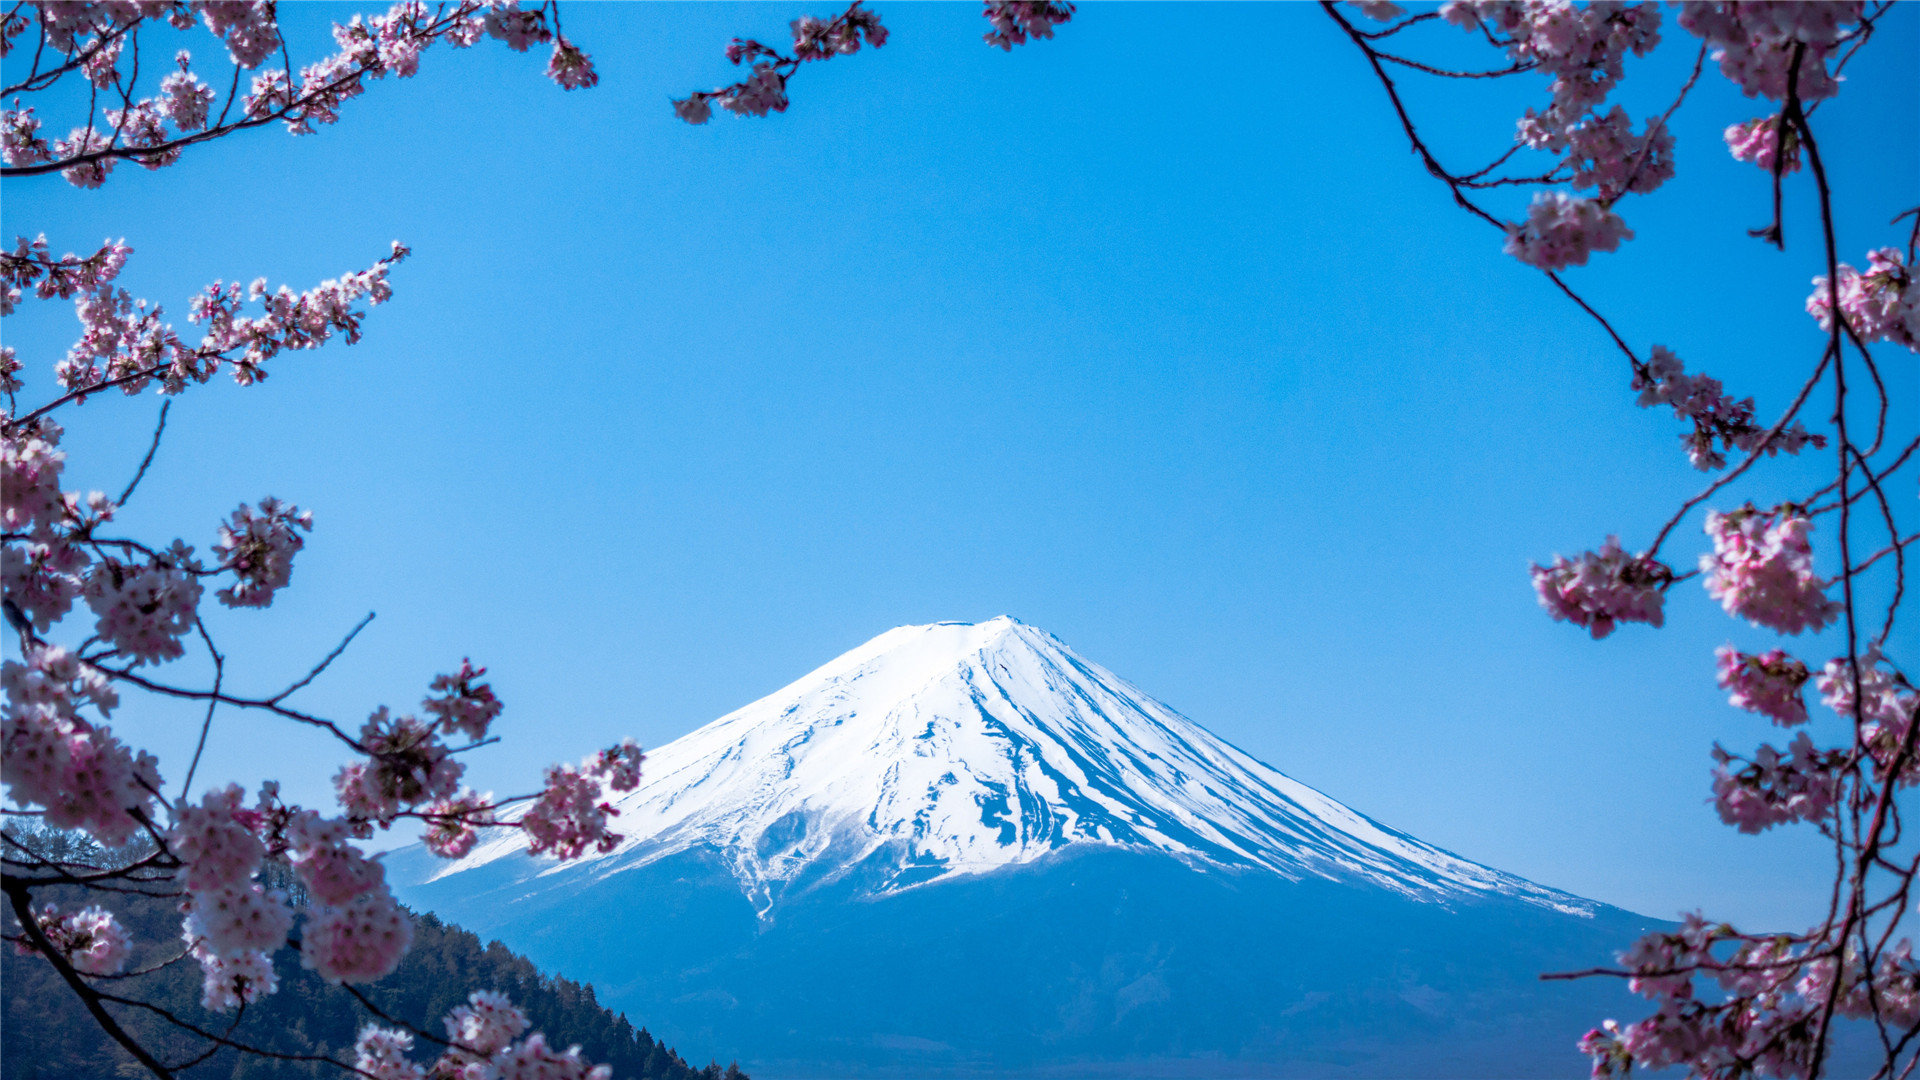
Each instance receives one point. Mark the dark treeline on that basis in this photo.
(46, 1033)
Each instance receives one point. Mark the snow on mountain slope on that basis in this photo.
(960, 748)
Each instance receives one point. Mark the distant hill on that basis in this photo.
(46, 1034)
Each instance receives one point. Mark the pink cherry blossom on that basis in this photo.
(30, 467)
(1774, 788)
(20, 141)
(535, 1060)
(258, 549)
(407, 765)
(1719, 422)
(247, 26)
(451, 823)
(1663, 962)
(42, 579)
(482, 1027)
(90, 939)
(570, 67)
(569, 816)
(1761, 569)
(227, 982)
(218, 848)
(1754, 43)
(1016, 21)
(52, 758)
(1603, 588)
(54, 675)
(233, 919)
(359, 941)
(185, 98)
(1768, 684)
(1582, 48)
(333, 870)
(144, 609)
(381, 1053)
(1604, 152)
(1757, 139)
(1879, 305)
(461, 702)
(1562, 230)
(618, 765)
(1379, 10)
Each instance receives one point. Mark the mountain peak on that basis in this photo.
(962, 748)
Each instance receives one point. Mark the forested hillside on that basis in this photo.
(47, 1035)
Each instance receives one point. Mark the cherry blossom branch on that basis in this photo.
(140, 473)
(19, 898)
(324, 661)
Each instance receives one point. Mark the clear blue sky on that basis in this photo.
(1153, 335)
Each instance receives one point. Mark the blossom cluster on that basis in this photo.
(1774, 788)
(1603, 588)
(1880, 305)
(152, 131)
(1767, 1020)
(1720, 423)
(354, 929)
(481, 1033)
(1769, 684)
(1755, 44)
(1761, 569)
(1884, 709)
(764, 90)
(53, 758)
(90, 939)
(1017, 21)
(1758, 140)
(258, 549)
(1561, 230)
(1605, 153)
(1584, 50)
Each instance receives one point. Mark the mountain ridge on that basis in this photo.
(955, 748)
(963, 850)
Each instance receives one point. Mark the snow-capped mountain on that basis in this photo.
(964, 850)
(962, 748)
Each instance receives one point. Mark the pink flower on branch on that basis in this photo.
(407, 764)
(618, 765)
(569, 817)
(381, 1053)
(359, 941)
(1879, 305)
(216, 841)
(484, 1025)
(1768, 684)
(227, 982)
(1719, 422)
(1755, 43)
(389, 44)
(91, 939)
(463, 703)
(1561, 231)
(1015, 21)
(1757, 140)
(1761, 569)
(1603, 588)
(1774, 788)
(258, 549)
(764, 90)
(452, 823)
(535, 1060)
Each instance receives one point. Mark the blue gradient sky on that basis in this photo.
(1153, 335)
